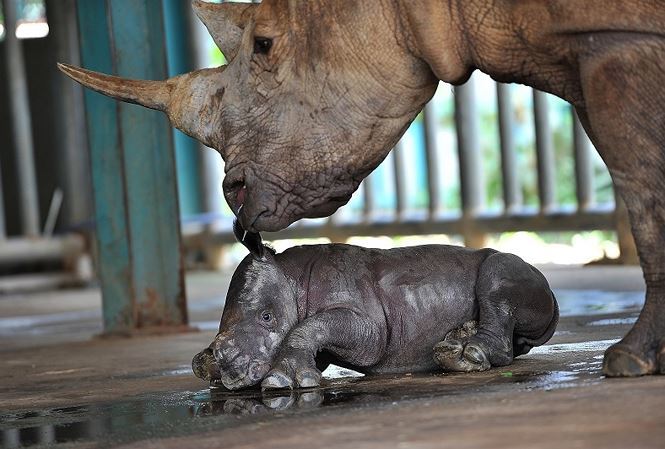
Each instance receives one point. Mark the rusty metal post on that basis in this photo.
(133, 171)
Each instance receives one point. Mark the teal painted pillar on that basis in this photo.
(180, 49)
(133, 172)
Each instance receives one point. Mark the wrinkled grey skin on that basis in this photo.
(404, 310)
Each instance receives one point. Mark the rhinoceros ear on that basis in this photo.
(251, 240)
(225, 23)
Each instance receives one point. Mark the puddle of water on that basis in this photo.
(155, 416)
(613, 321)
(585, 346)
(597, 302)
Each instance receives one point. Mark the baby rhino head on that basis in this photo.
(260, 310)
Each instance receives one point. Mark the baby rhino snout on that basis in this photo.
(238, 369)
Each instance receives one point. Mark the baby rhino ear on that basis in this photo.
(251, 240)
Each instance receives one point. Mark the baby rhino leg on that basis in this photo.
(514, 299)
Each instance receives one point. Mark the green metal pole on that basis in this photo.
(133, 172)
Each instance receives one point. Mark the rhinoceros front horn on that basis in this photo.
(151, 94)
(184, 98)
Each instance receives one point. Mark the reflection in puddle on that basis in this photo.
(596, 302)
(191, 412)
(586, 346)
(613, 321)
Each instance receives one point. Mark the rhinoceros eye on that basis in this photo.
(262, 45)
(266, 317)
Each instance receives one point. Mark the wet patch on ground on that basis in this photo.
(179, 414)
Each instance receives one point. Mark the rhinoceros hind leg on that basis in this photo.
(456, 352)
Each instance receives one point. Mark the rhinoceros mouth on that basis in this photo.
(328, 208)
(267, 221)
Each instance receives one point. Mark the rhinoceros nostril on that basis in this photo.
(240, 196)
(235, 193)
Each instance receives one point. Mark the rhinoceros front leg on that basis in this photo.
(344, 333)
(624, 92)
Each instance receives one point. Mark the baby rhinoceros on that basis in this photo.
(426, 308)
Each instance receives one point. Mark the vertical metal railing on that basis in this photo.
(433, 163)
(3, 228)
(400, 183)
(512, 195)
(468, 147)
(584, 185)
(22, 123)
(544, 152)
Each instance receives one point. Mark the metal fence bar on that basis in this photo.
(433, 165)
(512, 195)
(368, 200)
(3, 229)
(471, 170)
(544, 152)
(468, 147)
(583, 165)
(72, 166)
(537, 223)
(22, 124)
(400, 186)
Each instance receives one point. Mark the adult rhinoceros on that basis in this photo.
(317, 92)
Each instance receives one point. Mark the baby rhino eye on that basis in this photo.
(262, 45)
(266, 317)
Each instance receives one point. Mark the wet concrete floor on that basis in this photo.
(141, 393)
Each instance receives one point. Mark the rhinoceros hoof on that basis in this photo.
(453, 355)
(304, 378)
(623, 361)
(308, 378)
(276, 380)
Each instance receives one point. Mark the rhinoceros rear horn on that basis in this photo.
(225, 23)
(151, 94)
